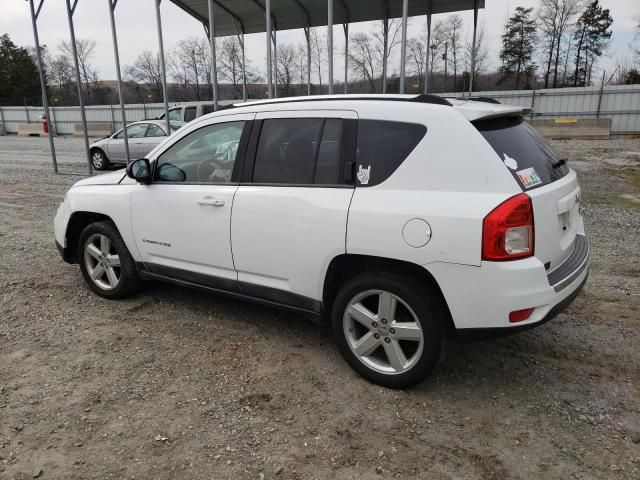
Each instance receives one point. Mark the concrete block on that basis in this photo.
(569, 128)
(93, 130)
(32, 129)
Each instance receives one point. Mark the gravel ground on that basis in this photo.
(175, 383)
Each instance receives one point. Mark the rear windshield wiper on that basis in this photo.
(559, 163)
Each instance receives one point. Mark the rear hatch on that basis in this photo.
(545, 177)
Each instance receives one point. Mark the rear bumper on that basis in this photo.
(481, 298)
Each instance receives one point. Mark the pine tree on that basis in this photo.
(591, 36)
(19, 80)
(518, 44)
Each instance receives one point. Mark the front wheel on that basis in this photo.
(99, 160)
(389, 328)
(105, 261)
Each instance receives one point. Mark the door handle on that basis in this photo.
(216, 202)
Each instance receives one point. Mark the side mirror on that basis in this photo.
(140, 170)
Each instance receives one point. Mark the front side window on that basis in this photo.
(287, 150)
(175, 115)
(155, 131)
(206, 155)
(133, 131)
(382, 147)
(189, 114)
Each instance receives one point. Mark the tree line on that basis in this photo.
(556, 45)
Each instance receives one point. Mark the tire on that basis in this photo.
(417, 328)
(100, 251)
(99, 160)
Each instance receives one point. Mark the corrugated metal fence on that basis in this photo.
(64, 119)
(621, 103)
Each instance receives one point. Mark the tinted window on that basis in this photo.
(328, 169)
(521, 148)
(189, 114)
(206, 155)
(286, 151)
(175, 115)
(382, 147)
(155, 131)
(207, 109)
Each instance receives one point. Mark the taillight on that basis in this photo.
(507, 232)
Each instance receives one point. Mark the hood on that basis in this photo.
(111, 178)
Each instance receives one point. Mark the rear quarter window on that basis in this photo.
(382, 146)
(525, 153)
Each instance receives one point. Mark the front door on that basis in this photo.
(116, 148)
(181, 221)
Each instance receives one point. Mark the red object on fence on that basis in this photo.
(45, 123)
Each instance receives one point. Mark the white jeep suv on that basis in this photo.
(398, 219)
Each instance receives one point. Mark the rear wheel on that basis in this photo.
(99, 159)
(105, 261)
(389, 328)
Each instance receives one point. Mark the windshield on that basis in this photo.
(527, 155)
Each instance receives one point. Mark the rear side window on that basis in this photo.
(287, 150)
(207, 109)
(382, 147)
(526, 154)
(189, 114)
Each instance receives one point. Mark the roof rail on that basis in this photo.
(422, 98)
(427, 98)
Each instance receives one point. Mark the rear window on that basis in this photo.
(526, 154)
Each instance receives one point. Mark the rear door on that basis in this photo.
(546, 178)
(290, 212)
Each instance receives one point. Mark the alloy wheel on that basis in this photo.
(383, 332)
(102, 261)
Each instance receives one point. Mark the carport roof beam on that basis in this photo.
(293, 14)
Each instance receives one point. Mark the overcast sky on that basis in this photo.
(136, 28)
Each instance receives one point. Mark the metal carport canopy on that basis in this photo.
(249, 15)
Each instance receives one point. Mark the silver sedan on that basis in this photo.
(143, 137)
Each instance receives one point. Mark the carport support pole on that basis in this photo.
(473, 46)
(267, 13)
(212, 40)
(403, 45)
(345, 27)
(43, 84)
(385, 41)
(74, 50)
(330, 43)
(163, 67)
(112, 6)
(244, 69)
(307, 33)
(427, 69)
(275, 65)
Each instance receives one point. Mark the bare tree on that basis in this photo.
(318, 59)
(555, 17)
(417, 58)
(190, 63)
(85, 48)
(230, 64)
(437, 53)
(146, 70)
(287, 67)
(481, 53)
(393, 27)
(364, 58)
(453, 35)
